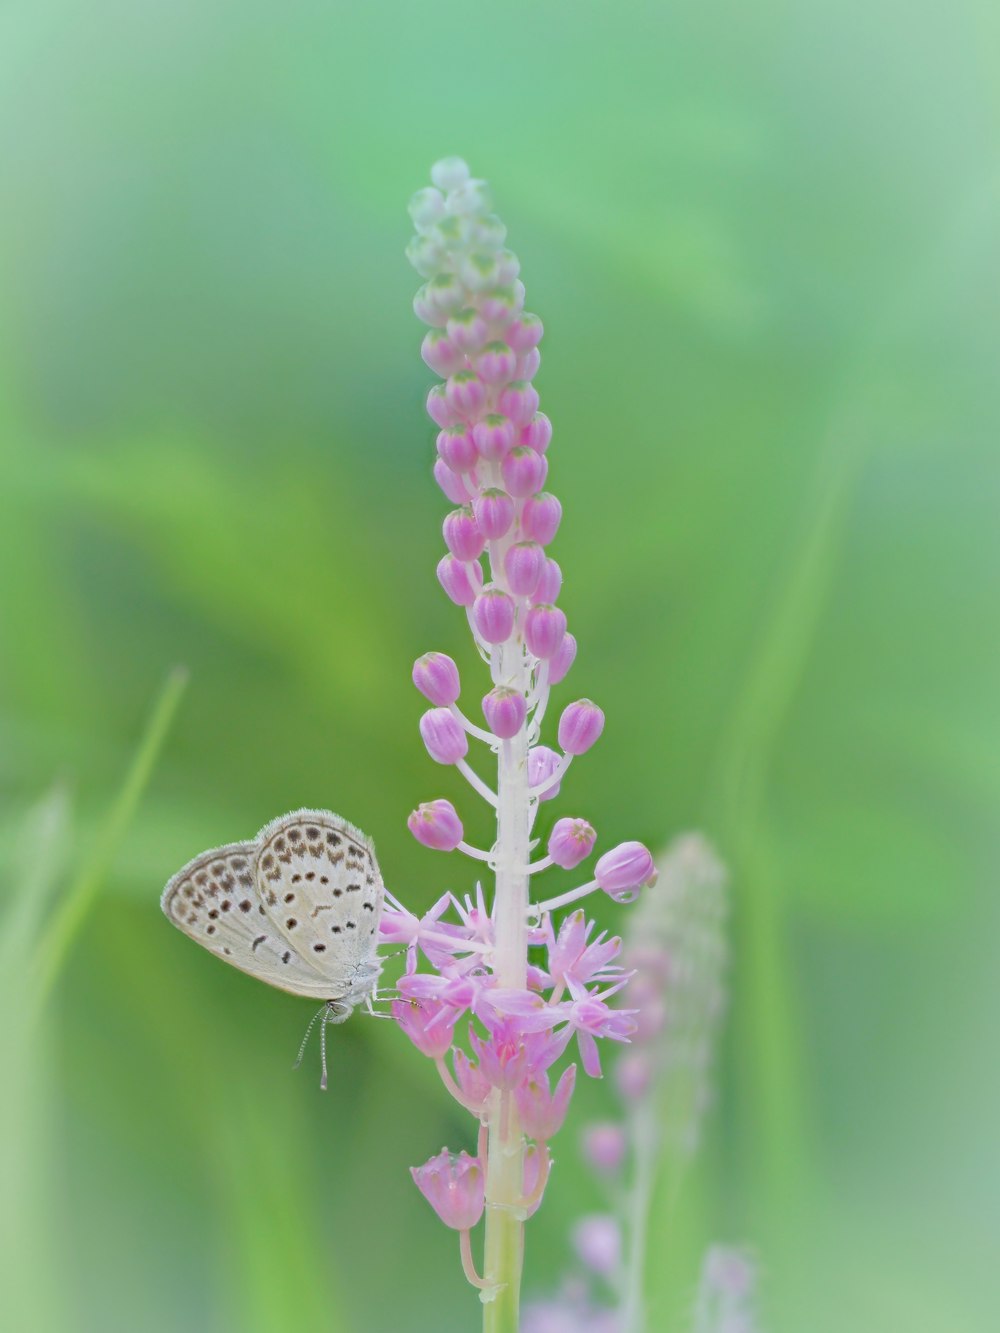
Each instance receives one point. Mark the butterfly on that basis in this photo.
(298, 907)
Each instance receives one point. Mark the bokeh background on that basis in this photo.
(763, 240)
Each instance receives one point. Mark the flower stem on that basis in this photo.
(504, 1244)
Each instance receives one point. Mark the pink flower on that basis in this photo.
(574, 961)
(598, 1241)
(477, 921)
(447, 994)
(473, 1084)
(604, 1146)
(510, 1053)
(454, 1186)
(429, 1024)
(540, 1110)
(589, 1018)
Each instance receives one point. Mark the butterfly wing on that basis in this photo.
(215, 900)
(321, 887)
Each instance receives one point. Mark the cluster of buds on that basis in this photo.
(675, 952)
(522, 986)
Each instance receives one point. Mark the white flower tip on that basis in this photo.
(449, 173)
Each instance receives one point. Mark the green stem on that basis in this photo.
(504, 1245)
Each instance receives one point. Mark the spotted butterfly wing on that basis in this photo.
(229, 902)
(322, 888)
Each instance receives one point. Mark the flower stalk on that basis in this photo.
(526, 986)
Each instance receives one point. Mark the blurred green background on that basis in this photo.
(763, 241)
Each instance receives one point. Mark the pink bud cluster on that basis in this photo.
(519, 1006)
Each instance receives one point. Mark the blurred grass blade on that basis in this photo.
(43, 848)
(29, 1290)
(66, 922)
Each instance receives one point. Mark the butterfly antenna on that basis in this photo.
(312, 1024)
(322, 1048)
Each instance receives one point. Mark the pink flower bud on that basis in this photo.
(454, 1186)
(494, 436)
(570, 842)
(468, 330)
(579, 727)
(540, 518)
(542, 763)
(493, 616)
(549, 583)
(457, 448)
(496, 364)
(490, 234)
(624, 870)
(466, 394)
(604, 1146)
(461, 582)
(526, 367)
(479, 271)
(544, 627)
(508, 266)
(441, 354)
(524, 472)
(502, 304)
(505, 711)
(524, 333)
(445, 293)
(537, 434)
(444, 736)
(451, 483)
(563, 660)
(633, 1074)
(436, 677)
(494, 511)
(519, 401)
(425, 309)
(439, 409)
(462, 535)
(597, 1240)
(435, 824)
(523, 564)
